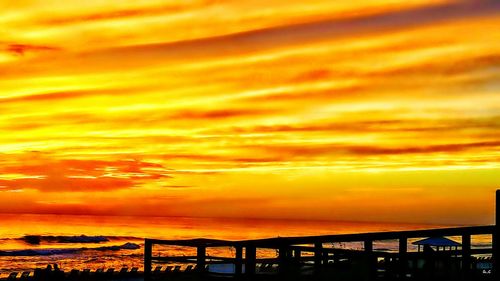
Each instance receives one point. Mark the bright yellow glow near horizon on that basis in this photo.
(326, 110)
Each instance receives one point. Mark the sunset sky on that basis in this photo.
(374, 110)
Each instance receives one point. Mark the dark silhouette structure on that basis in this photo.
(437, 244)
(303, 258)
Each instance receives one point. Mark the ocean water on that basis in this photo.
(79, 242)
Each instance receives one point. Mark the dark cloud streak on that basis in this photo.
(21, 49)
(289, 151)
(257, 40)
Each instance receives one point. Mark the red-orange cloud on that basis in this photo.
(51, 175)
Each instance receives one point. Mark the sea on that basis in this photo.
(29, 241)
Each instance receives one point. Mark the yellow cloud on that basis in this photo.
(230, 105)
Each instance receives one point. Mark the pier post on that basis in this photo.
(201, 254)
(250, 260)
(370, 261)
(368, 246)
(148, 251)
(238, 261)
(284, 260)
(466, 256)
(496, 238)
(318, 255)
(403, 250)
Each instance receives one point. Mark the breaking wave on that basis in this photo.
(37, 239)
(65, 251)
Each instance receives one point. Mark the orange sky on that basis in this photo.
(342, 110)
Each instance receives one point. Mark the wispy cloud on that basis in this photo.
(49, 175)
(230, 105)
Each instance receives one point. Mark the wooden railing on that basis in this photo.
(291, 249)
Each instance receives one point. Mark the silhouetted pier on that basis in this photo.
(303, 258)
